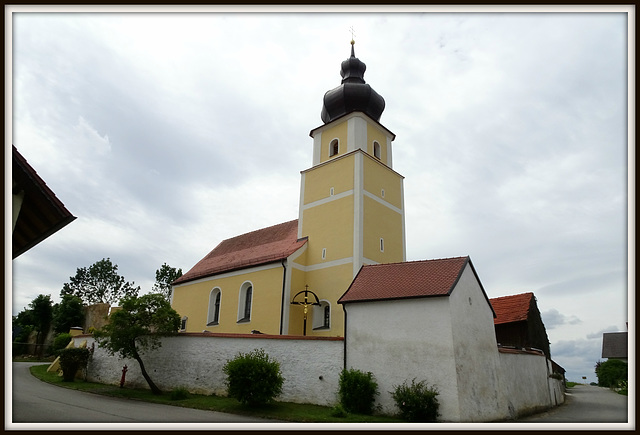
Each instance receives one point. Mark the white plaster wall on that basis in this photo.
(525, 383)
(401, 340)
(476, 354)
(311, 368)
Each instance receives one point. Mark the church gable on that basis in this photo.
(251, 249)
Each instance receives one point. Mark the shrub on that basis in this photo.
(253, 378)
(179, 393)
(611, 373)
(72, 360)
(417, 402)
(60, 342)
(338, 411)
(357, 391)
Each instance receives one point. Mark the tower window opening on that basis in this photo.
(376, 150)
(331, 191)
(324, 253)
(333, 147)
(381, 244)
(382, 193)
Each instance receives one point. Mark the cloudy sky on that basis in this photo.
(167, 133)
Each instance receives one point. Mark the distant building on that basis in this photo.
(37, 212)
(518, 323)
(615, 345)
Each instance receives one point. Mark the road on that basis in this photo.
(35, 401)
(586, 404)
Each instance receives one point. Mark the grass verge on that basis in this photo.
(284, 411)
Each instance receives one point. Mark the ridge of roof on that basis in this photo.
(262, 246)
(512, 308)
(407, 279)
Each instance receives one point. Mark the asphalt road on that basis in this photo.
(586, 404)
(35, 401)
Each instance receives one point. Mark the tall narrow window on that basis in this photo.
(324, 253)
(245, 299)
(213, 315)
(376, 149)
(333, 147)
(381, 244)
(183, 323)
(322, 315)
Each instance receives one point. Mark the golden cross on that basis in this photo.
(353, 34)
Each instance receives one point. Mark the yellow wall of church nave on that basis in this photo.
(330, 228)
(382, 222)
(192, 300)
(320, 179)
(329, 284)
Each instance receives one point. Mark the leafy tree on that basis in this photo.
(137, 327)
(164, 277)
(41, 316)
(68, 313)
(611, 373)
(99, 283)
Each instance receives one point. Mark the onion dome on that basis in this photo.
(353, 95)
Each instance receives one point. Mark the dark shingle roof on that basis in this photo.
(614, 345)
(257, 247)
(405, 280)
(513, 308)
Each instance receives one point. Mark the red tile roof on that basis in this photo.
(513, 308)
(257, 247)
(410, 279)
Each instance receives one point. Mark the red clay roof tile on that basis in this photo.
(257, 247)
(513, 308)
(405, 280)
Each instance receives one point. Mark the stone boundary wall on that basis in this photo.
(311, 366)
(525, 382)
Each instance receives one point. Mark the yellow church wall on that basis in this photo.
(378, 177)
(319, 180)
(374, 134)
(339, 131)
(382, 222)
(329, 226)
(329, 284)
(193, 300)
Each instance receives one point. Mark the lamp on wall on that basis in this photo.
(305, 304)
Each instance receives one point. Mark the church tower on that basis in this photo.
(351, 200)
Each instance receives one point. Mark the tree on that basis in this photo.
(68, 313)
(137, 327)
(164, 277)
(611, 373)
(99, 283)
(41, 315)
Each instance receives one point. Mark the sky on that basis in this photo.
(165, 134)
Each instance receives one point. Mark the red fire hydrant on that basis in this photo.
(124, 372)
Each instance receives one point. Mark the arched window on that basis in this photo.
(376, 150)
(322, 315)
(183, 323)
(334, 146)
(244, 302)
(213, 315)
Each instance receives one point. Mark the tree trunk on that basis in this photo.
(154, 389)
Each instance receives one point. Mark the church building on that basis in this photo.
(287, 279)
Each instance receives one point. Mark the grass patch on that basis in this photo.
(284, 411)
(572, 384)
(624, 392)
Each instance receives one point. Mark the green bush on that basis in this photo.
(338, 411)
(253, 378)
(611, 373)
(72, 360)
(179, 393)
(60, 342)
(417, 402)
(357, 391)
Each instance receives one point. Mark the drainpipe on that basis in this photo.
(284, 281)
(344, 363)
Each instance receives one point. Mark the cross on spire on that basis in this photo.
(353, 35)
